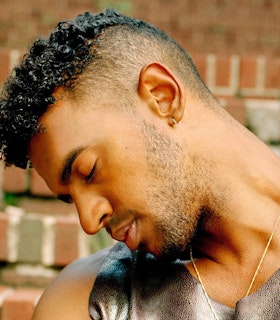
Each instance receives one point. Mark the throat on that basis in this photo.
(218, 285)
(228, 285)
(230, 269)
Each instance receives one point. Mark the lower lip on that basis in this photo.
(131, 238)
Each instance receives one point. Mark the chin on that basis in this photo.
(144, 247)
(165, 254)
(173, 252)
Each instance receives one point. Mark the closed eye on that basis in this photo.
(91, 174)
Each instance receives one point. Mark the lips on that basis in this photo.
(120, 234)
(132, 241)
(127, 234)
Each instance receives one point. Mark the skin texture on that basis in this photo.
(132, 182)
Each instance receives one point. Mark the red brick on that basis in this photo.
(248, 72)
(273, 73)
(3, 236)
(67, 240)
(4, 65)
(236, 107)
(20, 305)
(5, 291)
(222, 26)
(223, 71)
(14, 180)
(38, 186)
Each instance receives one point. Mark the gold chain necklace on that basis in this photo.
(254, 276)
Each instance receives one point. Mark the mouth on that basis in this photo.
(127, 234)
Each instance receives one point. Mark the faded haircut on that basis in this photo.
(84, 55)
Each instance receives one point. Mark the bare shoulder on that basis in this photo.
(67, 296)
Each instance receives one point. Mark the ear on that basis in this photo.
(162, 92)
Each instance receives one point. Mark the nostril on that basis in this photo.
(103, 218)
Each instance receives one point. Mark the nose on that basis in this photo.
(94, 212)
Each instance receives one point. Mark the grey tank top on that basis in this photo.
(135, 285)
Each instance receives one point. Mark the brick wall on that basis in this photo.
(33, 249)
(217, 26)
(18, 304)
(41, 239)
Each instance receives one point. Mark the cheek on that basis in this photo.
(128, 186)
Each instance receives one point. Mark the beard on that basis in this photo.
(175, 191)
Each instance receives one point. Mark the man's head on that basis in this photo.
(91, 54)
(92, 108)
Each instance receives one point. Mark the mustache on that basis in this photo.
(118, 218)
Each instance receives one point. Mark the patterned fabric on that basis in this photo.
(134, 285)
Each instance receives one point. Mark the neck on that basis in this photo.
(244, 200)
(258, 271)
(242, 203)
(240, 215)
(233, 235)
(240, 221)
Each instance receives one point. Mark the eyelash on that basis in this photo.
(91, 174)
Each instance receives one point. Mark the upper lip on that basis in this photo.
(120, 234)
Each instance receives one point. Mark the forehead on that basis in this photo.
(67, 128)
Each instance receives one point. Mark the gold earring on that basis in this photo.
(172, 121)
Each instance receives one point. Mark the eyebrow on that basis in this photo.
(67, 165)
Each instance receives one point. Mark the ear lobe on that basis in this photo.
(161, 91)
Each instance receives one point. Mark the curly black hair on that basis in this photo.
(51, 63)
(62, 59)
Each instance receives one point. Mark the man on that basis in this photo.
(113, 115)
